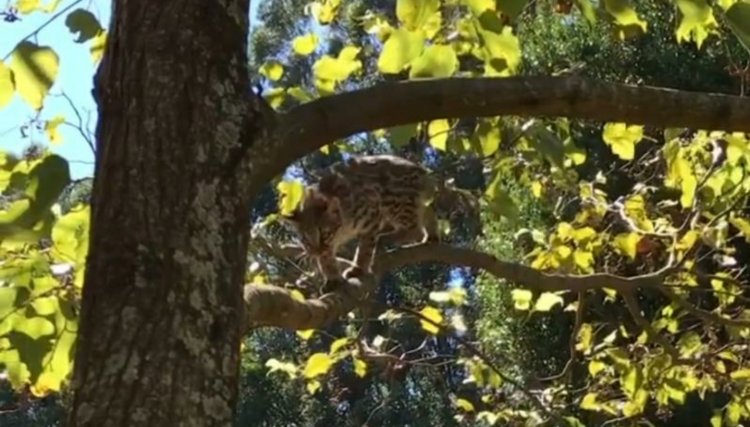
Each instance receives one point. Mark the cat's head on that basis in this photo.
(316, 219)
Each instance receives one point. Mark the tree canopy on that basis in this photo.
(598, 279)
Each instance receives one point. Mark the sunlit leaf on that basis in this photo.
(96, 49)
(34, 327)
(305, 44)
(697, 21)
(546, 301)
(34, 69)
(521, 298)
(272, 70)
(7, 87)
(317, 364)
(27, 6)
(434, 62)
(313, 386)
(589, 402)
(502, 52)
(625, 17)
(338, 345)
(291, 195)
(465, 405)
(287, 367)
(627, 244)
(400, 50)
(50, 127)
(305, 334)
(596, 366)
(435, 318)
(740, 374)
(360, 367)
(587, 10)
(622, 138)
(415, 13)
(438, 131)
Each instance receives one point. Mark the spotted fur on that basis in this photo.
(368, 198)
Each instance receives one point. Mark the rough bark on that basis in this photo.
(308, 127)
(162, 301)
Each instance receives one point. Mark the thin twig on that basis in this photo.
(635, 311)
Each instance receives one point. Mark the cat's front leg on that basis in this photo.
(363, 259)
(328, 266)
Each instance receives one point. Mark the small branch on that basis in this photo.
(635, 311)
(704, 315)
(572, 342)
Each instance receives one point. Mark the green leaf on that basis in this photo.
(587, 10)
(45, 306)
(318, 364)
(291, 195)
(622, 139)
(34, 69)
(488, 135)
(740, 374)
(521, 298)
(502, 52)
(399, 50)
(34, 327)
(305, 45)
(84, 23)
(512, 8)
(7, 87)
(697, 21)
(414, 14)
(626, 18)
(435, 61)
(547, 300)
(438, 131)
(574, 422)
(738, 19)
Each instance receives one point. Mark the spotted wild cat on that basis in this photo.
(368, 198)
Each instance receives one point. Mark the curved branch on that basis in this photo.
(314, 124)
(275, 306)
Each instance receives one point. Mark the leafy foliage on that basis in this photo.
(563, 197)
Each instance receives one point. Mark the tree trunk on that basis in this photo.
(162, 302)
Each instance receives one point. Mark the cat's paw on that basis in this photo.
(353, 272)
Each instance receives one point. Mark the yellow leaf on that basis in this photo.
(338, 344)
(596, 366)
(740, 374)
(536, 189)
(622, 139)
(317, 364)
(585, 338)
(465, 405)
(458, 324)
(313, 386)
(7, 88)
(297, 295)
(273, 70)
(27, 6)
(34, 70)
(51, 128)
(291, 195)
(521, 298)
(360, 367)
(438, 131)
(627, 244)
(546, 301)
(286, 367)
(502, 52)
(399, 50)
(626, 18)
(414, 14)
(589, 402)
(305, 45)
(98, 43)
(434, 62)
(434, 315)
(697, 21)
(305, 334)
(51, 6)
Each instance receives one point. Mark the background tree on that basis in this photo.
(621, 257)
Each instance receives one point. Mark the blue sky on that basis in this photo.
(75, 78)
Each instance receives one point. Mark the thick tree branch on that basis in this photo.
(314, 124)
(275, 306)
